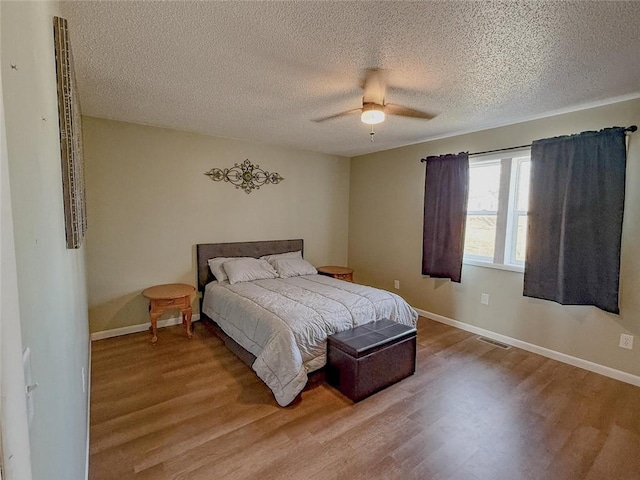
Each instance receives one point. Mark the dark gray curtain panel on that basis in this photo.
(576, 203)
(446, 189)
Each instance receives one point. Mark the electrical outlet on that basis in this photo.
(30, 385)
(626, 341)
(396, 284)
(484, 299)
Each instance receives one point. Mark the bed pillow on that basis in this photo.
(215, 265)
(271, 258)
(293, 267)
(247, 269)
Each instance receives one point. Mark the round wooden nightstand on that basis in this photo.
(341, 273)
(168, 297)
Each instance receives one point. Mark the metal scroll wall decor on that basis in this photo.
(75, 212)
(245, 175)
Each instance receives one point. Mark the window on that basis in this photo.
(496, 228)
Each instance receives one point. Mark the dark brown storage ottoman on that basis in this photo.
(368, 358)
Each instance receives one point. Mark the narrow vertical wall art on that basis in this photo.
(73, 189)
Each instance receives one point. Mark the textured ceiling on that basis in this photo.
(261, 71)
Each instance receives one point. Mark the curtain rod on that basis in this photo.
(629, 129)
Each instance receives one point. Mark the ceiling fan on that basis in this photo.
(374, 107)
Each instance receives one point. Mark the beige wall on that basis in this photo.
(51, 279)
(15, 457)
(149, 204)
(385, 243)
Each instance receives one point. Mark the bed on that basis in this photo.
(279, 326)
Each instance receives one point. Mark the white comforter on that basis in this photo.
(285, 322)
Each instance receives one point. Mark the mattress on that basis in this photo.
(284, 322)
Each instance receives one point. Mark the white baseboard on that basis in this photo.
(530, 347)
(116, 332)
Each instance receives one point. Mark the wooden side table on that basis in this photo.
(341, 273)
(169, 297)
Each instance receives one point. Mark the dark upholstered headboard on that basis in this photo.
(205, 251)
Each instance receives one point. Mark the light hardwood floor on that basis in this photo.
(189, 409)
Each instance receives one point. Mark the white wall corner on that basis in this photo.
(86, 468)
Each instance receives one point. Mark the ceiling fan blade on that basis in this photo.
(374, 85)
(393, 109)
(338, 115)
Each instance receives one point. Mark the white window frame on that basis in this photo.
(478, 163)
(506, 231)
(511, 232)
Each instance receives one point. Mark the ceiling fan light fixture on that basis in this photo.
(372, 114)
